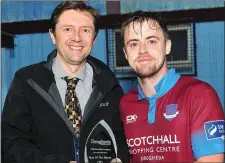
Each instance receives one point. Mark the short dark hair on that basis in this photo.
(74, 5)
(142, 16)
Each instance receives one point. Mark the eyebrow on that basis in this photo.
(68, 25)
(131, 41)
(87, 27)
(147, 38)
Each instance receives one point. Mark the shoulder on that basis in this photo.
(96, 63)
(104, 77)
(131, 95)
(27, 71)
(193, 85)
(199, 94)
(100, 68)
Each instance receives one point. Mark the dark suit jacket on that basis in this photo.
(35, 127)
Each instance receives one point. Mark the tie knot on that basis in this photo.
(71, 81)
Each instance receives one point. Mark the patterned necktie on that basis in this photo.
(72, 106)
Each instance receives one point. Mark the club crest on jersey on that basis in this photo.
(171, 112)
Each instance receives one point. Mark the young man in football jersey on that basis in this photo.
(168, 117)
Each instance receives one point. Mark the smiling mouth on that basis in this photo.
(75, 47)
(144, 59)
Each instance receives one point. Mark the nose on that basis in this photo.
(76, 36)
(142, 49)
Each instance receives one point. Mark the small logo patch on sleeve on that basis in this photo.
(214, 129)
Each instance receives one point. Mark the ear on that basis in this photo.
(52, 35)
(94, 41)
(125, 52)
(95, 37)
(168, 46)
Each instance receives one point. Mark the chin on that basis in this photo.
(146, 74)
(78, 58)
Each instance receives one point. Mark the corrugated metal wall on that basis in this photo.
(27, 10)
(168, 5)
(210, 55)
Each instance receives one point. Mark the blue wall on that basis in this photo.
(210, 55)
(34, 48)
(24, 10)
(168, 5)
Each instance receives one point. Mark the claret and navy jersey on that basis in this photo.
(182, 122)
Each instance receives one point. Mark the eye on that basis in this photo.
(86, 30)
(133, 44)
(67, 29)
(152, 42)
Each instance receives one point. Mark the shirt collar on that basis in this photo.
(59, 71)
(163, 86)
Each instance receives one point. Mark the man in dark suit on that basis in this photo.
(65, 109)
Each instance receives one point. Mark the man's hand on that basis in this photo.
(116, 160)
(73, 162)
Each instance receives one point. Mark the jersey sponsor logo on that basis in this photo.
(171, 112)
(154, 139)
(131, 118)
(214, 129)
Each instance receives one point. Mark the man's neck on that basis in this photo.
(69, 68)
(147, 85)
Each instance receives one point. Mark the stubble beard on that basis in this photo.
(150, 72)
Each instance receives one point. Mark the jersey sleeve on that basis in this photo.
(206, 121)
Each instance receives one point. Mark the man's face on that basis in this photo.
(74, 37)
(145, 48)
